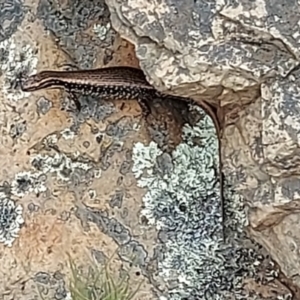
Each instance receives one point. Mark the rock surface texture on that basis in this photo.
(245, 56)
(104, 180)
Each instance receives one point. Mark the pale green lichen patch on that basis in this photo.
(15, 60)
(11, 219)
(102, 30)
(62, 166)
(28, 182)
(183, 202)
(193, 176)
(68, 134)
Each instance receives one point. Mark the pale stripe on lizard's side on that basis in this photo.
(117, 83)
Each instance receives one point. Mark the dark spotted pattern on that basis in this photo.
(110, 92)
(112, 83)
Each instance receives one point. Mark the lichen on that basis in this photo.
(61, 166)
(68, 134)
(15, 60)
(102, 30)
(11, 220)
(184, 205)
(28, 182)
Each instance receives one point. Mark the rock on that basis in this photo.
(244, 56)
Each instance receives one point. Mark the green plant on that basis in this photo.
(99, 284)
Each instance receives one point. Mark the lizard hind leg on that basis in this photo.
(144, 107)
(146, 111)
(73, 100)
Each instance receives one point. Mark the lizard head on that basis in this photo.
(38, 81)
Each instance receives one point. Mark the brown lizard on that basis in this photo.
(113, 83)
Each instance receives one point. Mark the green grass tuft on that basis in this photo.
(99, 284)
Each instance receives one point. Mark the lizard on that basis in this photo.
(119, 83)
